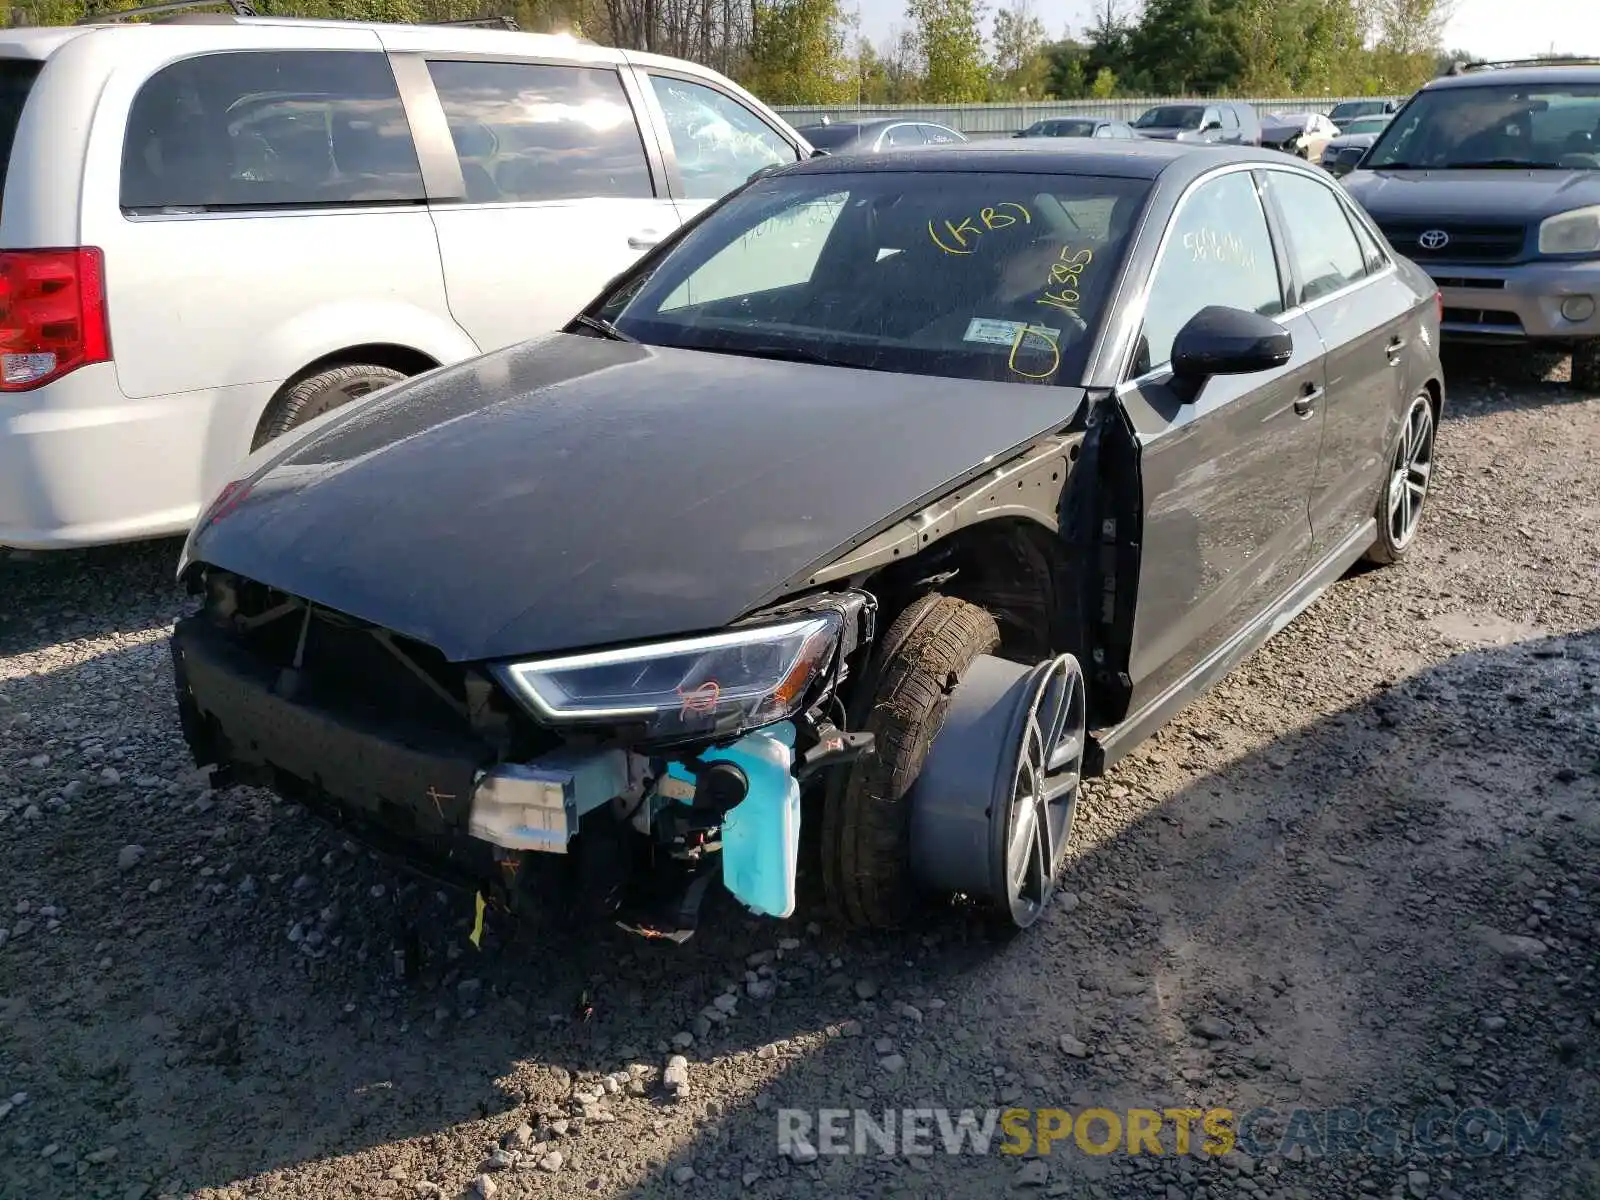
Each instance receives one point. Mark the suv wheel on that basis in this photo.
(1586, 366)
(316, 394)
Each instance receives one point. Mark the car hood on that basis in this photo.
(1278, 130)
(1501, 196)
(572, 492)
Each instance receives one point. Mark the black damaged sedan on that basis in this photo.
(889, 498)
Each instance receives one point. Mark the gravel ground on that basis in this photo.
(1364, 872)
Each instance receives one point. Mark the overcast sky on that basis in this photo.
(1497, 28)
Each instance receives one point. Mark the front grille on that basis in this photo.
(1463, 243)
(1469, 281)
(1507, 322)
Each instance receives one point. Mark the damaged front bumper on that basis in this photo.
(551, 801)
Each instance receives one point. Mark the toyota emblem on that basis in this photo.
(1434, 239)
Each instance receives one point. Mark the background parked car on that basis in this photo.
(1078, 127)
(1300, 134)
(1490, 181)
(253, 220)
(877, 134)
(1346, 111)
(1342, 153)
(1229, 121)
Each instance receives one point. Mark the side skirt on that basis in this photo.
(1117, 740)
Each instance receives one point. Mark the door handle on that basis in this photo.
(644, 240)
(1393, 350)
(1306, 403)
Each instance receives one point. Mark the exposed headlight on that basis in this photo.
(1575, 232)
(695, 687)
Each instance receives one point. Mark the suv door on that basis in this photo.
(1230, 125)
(712, 141)
(559, 193)
(1365, 315)
(1226, 476)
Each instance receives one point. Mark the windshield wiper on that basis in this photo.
(784, 354)
(1486, 164)
(603, 327)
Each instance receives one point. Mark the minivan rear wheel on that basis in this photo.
(316, 394)
(1586, 366)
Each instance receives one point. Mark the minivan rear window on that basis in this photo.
(265, 129)
(16, 81)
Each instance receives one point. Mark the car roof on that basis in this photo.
(1503, 76)
(1142, 159)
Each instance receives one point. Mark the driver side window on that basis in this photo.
(718, 142)
(1217, 251)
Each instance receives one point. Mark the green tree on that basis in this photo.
(950, 38)
(1104, 85)
(798, 53)
(1187, 47)
(1021, 67)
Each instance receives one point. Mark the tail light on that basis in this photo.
(52, 315)
(1438, 304)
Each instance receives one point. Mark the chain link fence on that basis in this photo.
(999, 120)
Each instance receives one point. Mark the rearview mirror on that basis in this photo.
(1227, 341)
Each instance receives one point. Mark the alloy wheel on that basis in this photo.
(1044, 793)
(1411, 472)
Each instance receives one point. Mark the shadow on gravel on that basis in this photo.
(49, 597)
(1536, 377)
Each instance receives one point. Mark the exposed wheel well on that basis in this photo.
(1013, 568)
(377, 354)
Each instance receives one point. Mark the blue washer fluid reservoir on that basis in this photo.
(761, 834)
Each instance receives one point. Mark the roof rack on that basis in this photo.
(1546, 61)
(243, 8)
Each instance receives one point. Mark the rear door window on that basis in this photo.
(1322, 246)
(16, 81)
(261, 129)
(901, 136)
(526, 131)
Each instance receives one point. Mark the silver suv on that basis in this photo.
(1489, 180)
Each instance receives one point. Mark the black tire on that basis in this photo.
(1396, 537)
(320, 393)
(1586, 366)
(866, 821)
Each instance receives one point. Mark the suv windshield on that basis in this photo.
(1170, 116)
(1351, 109)
(961, 274)
(1544, 125)
(1364, 125)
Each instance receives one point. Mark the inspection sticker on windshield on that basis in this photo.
(1006, 333)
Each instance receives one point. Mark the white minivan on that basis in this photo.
(214, 227)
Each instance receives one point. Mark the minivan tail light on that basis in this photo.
(52, 315)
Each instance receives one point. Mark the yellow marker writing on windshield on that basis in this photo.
(1016, 344)
(958, 237)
